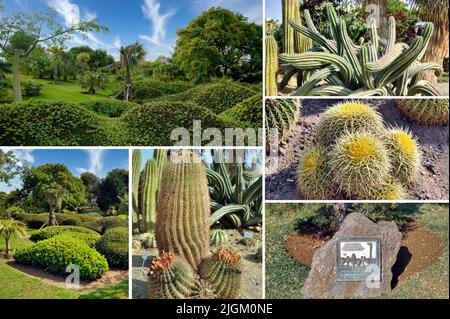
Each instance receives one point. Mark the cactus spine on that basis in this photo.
(281, 116)
(183, 210)
(289, 7)
(223, 271)
(429, 112)
(136, 159)
(271, 65)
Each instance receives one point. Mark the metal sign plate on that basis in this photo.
(358, 259)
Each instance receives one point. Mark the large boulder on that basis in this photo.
(322, 280)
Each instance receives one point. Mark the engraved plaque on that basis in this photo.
(358, 259)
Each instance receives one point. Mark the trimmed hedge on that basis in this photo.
(150, 89)
(36, 221)
(110, 107)
(58, 252)
(52, 231)
(102, 225)
(245, 114)
(114, 246)
(152, 123)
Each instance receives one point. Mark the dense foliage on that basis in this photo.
(52, 231)
(114, 246)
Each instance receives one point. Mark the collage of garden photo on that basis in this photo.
(211, 149)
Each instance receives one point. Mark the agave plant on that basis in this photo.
(343, 68)
(236, 199)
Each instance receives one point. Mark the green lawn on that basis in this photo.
(68, 91)
(16, 242)
(285, 276)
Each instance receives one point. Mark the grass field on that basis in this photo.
(285, 276)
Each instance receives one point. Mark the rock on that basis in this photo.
(321, 282)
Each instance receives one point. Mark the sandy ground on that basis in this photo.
(252, 270)
(432, 182)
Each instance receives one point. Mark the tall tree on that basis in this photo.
(54, 194)
(21, 32)
(56, 52)
(91, 183)
(8, 166)
(115, 184)
(130, 56)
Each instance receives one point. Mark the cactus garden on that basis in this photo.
(197, 221)
(363, 149)
(329, 49)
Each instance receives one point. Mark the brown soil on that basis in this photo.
(420, 248)
(432, 181)
(113, 276)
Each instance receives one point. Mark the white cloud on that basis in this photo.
(117, 42)
(151, 11)
(68, 10)
(24, 156)
(95, 162)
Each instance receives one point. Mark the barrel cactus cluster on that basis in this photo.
(186, 268)
(339, 67)
(427, 112)
(358, 157)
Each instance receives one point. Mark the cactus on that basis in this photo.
(313, 174)
(280, 115)
(388, 191)
(349, 117)
(170, 278)
(404, 154)
(218, 237)
(136, 163)
(183, 210)
(359, 163)
(289, 8)
(223, 271)
(429, 112)
(271, 65)
(203, 290)
(341, 67)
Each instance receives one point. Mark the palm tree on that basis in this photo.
(9, 227)
(54, 194)
(56, 52)
(130, 56)
(435, 11)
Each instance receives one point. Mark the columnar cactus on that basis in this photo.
(429, 112)
(136, 166)
(170, 278)
(183, 210)
(289, 8)
(271, 65)
(223, 271)
(343, 68)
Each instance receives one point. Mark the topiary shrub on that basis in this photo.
(33, 221)
(102, 225)
(246, 114)
(108, 107)
(152, 123)
(114, 246)
(58, 252)
(31, 88)
(52, 231)
(429, 112)
(150, 89)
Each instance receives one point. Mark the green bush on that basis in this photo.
(152, 123)
(114, 246)
(58, 252)
(40, 122)
(33, 221)
(52, 231)
(245, 114)
(102, 225)
(150, 89)
(31, 88)
(110, 108)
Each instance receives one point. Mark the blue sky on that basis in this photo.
(97, 161)
(152, 22)
(273, 10)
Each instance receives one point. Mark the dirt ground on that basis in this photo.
(419, 249)
(432, 182)
(252, 270)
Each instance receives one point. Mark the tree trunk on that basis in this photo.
(380, 14)
(16, 78)
(7, 244)
(127, 78)
(340, 211)
(55, 75)
(52, 217)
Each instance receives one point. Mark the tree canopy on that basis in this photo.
(113, 186)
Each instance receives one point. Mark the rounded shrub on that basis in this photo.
(429, 112)
(359, 163)
(56, 253)
(246, 114)
(108, 107)
(153, 123)
(388, 191)
(114, 246)
(349, 117)
(52, 231)
(102, 225)
(403, 153)
(313, 178)
(33, 221)
(150, 89)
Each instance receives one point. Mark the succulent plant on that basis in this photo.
(359, 163)
(349, 117)
(391, 190)
(313, 179)
(170, 278)
(271, 65)
(404, 154)
(183, 210)
(218, 237)
(343, 68)
(429, 112)
(223, 271)
(136, 165)
(203, 290)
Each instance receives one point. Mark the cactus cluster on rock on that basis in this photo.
(357, 157)
(186, 268)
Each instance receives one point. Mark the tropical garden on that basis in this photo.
(339, 48)
(62, 236)
(51, 94)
